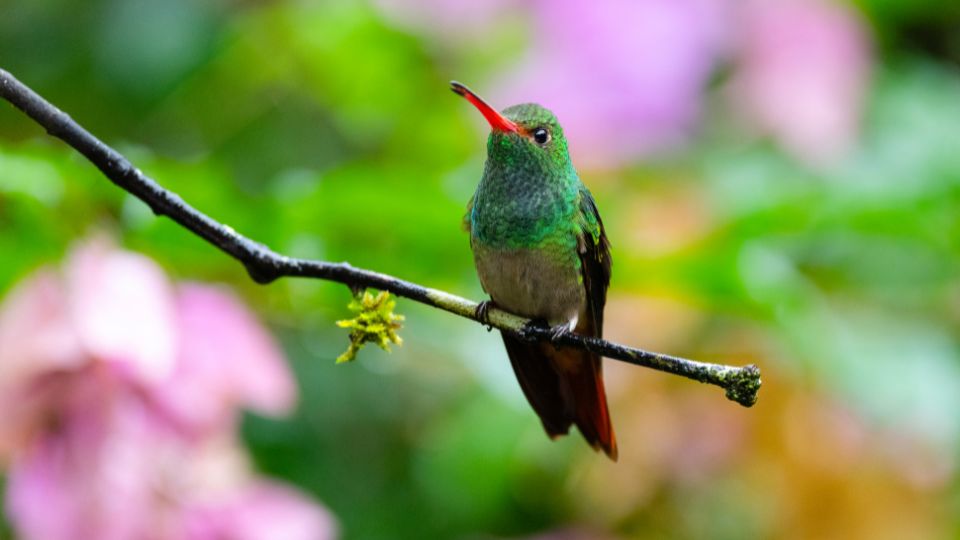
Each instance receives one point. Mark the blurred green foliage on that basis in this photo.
(325, 132)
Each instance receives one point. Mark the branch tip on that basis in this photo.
(743, 385)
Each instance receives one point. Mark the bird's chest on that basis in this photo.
(511, 213)
(533, 282)
(524, 244)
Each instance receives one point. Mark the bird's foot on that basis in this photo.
(533, 330)
(482, 313)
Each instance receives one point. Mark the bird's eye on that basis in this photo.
(541, 135)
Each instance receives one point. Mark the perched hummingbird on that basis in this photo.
(541, 252)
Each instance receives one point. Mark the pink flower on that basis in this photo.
(119, 394)
(261, 511)
(803, 69)
(625, 77)
(52, 327)
(213, 377)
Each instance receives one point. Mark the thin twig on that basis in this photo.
(264, 265)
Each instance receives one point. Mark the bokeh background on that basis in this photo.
(780, 182)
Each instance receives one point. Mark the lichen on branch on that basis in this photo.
(375, 323)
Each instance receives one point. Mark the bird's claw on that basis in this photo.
(482, 313)
(533, 330)
(557, 332)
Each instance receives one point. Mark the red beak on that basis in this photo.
(497, 121)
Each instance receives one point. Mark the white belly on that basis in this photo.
(531, 284)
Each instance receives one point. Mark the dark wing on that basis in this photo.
(595, 262)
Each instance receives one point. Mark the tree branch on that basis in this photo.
(264, 265)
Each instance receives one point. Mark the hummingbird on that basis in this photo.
(541, 252)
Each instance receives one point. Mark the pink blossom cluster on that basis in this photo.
(120, 394)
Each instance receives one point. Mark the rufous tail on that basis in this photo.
(564, 387)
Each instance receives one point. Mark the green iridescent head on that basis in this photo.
(526, 136)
